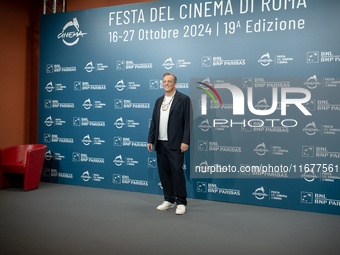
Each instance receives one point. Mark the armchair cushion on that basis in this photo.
(13, 168)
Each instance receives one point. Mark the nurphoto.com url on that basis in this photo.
(268, 168)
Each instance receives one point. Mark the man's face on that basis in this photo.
(168, 84)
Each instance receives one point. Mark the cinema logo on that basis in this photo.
(312, 82)
(49, 121)
(71, 33)
(96, 140)
(205, 126)
(48, 155)
(58, 87)
(119, 161)
(119, 123)
(311, 129)
(309, 175)
(168, 64)
(120, 86)
(98, 67)
(57, 121)
(95, 177)
(261, 150)
(260, 194)
(265, 60)
(97, 104)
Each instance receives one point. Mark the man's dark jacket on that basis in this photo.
(178, 124)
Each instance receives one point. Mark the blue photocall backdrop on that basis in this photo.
(262, 77)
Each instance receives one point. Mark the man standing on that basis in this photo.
(170, 135)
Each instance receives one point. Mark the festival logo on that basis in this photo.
(49, 87)
(120, 85)
(312, 82)
(71, 33)
(96, 66)
(118, 160)
(87, 104)
(49, 121)
(86, 176)
(261, 149)
(168, 64)
(260, 193)
(86, 140)
(205, 126)
(262, 105)
(48, 155)
(309, 175)
(265, 60)
(89, 67)
(310, 129)
(119, 123)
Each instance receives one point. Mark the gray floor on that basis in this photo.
(64, 219)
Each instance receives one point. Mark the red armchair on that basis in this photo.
(27, 160)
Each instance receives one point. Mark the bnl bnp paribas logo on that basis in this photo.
(71, 33)
(289, 96)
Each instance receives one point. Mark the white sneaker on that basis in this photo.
(165, 206)
(180, 209)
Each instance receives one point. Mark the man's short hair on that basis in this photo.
(174, 76)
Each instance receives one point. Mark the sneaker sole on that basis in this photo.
(166, 209)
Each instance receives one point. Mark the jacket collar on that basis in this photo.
(176, 99)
